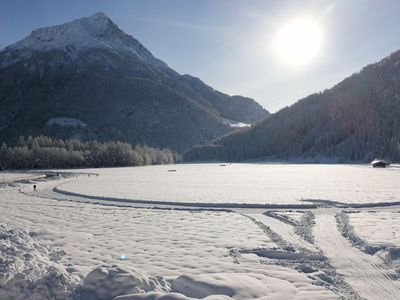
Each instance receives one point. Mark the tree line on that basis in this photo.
(46, 152)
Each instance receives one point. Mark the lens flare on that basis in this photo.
(298, 42)
(122, 257)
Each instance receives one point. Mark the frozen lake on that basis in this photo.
(244, 183)
(242, 254)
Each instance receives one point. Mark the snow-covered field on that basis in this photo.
(13, 176)
(244, 183)
(57, 246)
(377, 227)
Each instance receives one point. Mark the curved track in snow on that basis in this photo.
(56, 192)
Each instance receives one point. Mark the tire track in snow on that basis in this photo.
(362, 271)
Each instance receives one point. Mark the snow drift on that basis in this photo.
(28, 270)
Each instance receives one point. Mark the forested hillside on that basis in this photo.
(358, 119)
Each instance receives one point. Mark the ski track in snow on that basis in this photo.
(286, 232)
(362, 271)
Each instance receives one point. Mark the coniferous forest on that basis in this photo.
(356, 120)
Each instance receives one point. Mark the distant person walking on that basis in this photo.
(34, 187)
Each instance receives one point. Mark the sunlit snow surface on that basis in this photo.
(11, 176)
(377, 227)
(244, 183)
(244, 253)
(160, 242)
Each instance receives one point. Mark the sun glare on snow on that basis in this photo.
(298, 42)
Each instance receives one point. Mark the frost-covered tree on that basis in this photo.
(45, 152)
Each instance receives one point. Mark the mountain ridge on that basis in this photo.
(91, 71)
(96, 31)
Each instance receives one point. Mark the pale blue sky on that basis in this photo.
(227, 43)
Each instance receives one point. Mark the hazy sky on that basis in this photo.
(228, 43)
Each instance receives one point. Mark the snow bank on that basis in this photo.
(197, 288)
(30, 271)
(105, 282)
(27, 272)
(229, 286)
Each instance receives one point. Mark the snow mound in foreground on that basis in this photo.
(106, 282)
(30, 271)
(114, 283)
(27, 272)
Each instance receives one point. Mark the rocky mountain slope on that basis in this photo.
(87, 79)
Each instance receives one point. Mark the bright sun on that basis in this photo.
(298, 42)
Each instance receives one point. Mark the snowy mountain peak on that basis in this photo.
(99, 17)
(96, 31)
(92, 25)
